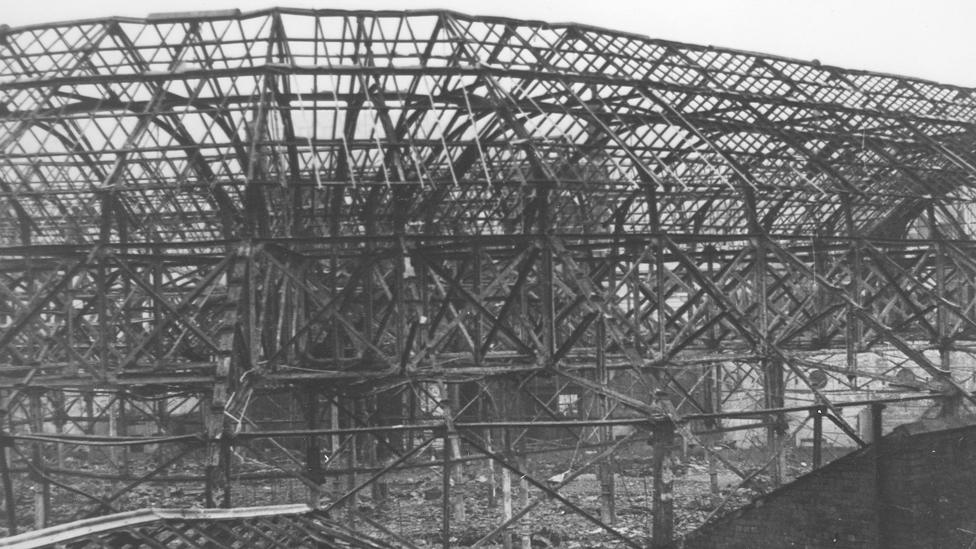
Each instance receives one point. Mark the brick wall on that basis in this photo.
(926, 498)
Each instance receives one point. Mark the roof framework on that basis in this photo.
(355, 204)
(175, 118)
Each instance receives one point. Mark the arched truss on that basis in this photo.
(234, 204)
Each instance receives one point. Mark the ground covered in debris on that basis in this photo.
(413, 505)
(410, 501)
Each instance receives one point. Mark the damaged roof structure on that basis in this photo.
(306, 238)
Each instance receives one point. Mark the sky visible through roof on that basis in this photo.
(933, 40)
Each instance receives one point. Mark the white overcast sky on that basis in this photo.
(931, 39)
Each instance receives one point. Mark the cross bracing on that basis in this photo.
(369, 204)
(175, 119)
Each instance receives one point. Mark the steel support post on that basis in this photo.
(42, 495)
(662, 506)
(226, 453)
(953, 405)
(853, 328)
(773, 375)
(9, 501)
(457, 469)
(446, 487)
(334, 440)
(210, 453)
(713, 381)
(122, 429)
(880, 497)
(818, 415)
(313, 450)
(608, 511)
(352, 458)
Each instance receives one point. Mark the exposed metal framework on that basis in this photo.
(434, 224)
(271, 527)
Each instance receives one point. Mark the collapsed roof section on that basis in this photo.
(285, 123)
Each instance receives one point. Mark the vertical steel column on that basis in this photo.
(446, 485)
(157, 306)
(508, 393)
(101, 310)
(338, 353)
(854, 326)
(661, 296)
(334, 441)
(548, 305)
(773, 382)
(42, 497)
(59, 417)
(659, 244)
(161, 408)
(451, 446)
(506, 489)
(457, 469)
(400, 301)
(822, 298)
(853, 331)
(478, 336)
(485, 416)
(523, 465)
(378, 487)
(241, 282)
(9, 503)
(953, 404)
(881, 497)
(69, 327)
(662, 506)
(122, 427)
(818, 414)
(352, 458)
(477, 329)
(226, 451)
(543, 191)
(90, 412)
(608, 512)
(711, 396)
(101, 280)
(636, 309)
(123, 306)
(313, 451)
(210, 450)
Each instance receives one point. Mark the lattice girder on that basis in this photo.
(165, 124)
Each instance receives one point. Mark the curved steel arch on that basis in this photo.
(448, 252)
